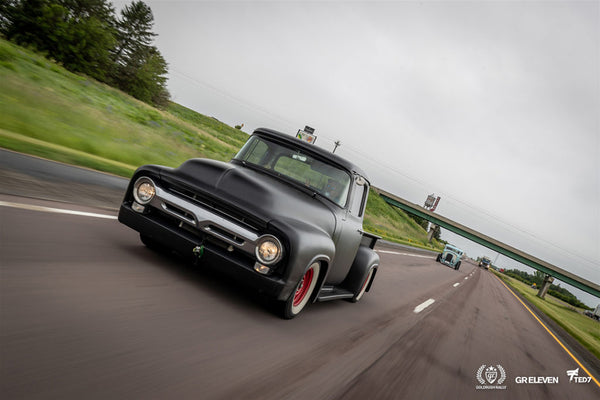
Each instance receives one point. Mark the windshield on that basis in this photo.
(453, 249)
(326, 179)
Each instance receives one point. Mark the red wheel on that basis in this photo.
(303, 292)
(302, 289)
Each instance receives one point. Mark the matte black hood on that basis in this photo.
(263, 196)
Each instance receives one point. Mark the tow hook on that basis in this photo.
(198, 252)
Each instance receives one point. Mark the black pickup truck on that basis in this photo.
(283, 216)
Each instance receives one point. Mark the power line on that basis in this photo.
(227, 95)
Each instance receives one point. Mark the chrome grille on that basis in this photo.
(216, 207)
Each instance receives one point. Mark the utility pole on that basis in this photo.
(337, 143)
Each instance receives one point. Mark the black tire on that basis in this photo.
(364, 286)
(302, 293)
(457, 266)
(439, 258)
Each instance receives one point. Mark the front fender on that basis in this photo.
(306, 244)
(152, 171)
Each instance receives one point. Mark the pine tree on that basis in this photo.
(140, 67)
(134, 31)
(85, 36)
(78, 33)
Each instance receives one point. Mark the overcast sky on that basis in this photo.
(494, 106)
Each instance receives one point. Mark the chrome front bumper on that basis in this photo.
(206, 221)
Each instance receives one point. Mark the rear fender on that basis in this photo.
(365, 259)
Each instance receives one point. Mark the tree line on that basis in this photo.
(423, 223)
(87, 36)
(555, 290)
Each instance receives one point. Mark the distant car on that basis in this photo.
(596, 313)
(593, 314)
(283, 216)
(485, 262)
(450, 256)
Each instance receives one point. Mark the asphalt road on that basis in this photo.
(86, 311)
(27, 176)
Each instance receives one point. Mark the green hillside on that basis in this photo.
(394, 224)
(50, 112)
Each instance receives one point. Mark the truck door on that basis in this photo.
(350, 231)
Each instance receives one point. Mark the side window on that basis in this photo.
(359, 196)
(257, 153)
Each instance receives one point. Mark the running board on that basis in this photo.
(333, 293)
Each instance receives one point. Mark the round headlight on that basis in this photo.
(268, 250)
(144, 190)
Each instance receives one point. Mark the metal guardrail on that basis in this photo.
(493, 244)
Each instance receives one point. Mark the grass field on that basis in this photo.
(571, 319)
(39, 100)
(50, 112)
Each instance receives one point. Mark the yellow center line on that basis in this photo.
(548, 330)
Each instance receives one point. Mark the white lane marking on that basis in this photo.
(466, 277)
(402, 254)
(456, 284)
(423, 306)
(55, 210)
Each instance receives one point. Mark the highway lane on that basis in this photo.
(28, 176)
(87, 311)
(483, 325)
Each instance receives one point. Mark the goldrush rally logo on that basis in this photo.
(491, 377)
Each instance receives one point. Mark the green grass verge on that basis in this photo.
(50, 112)
(571, 319)
(41, 100)
(395, 225)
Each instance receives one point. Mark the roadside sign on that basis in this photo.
(437, 200)
(429, 201)
(432, 202)
(307, 136)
